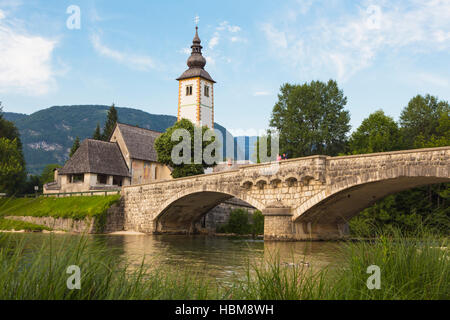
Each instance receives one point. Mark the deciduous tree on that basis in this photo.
(377, 133)
(164, 146)
(12, 166)
(311, 119)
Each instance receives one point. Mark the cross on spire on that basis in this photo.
(197, 20)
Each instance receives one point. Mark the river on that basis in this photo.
(215, 257)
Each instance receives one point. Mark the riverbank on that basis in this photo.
(96, 214)
(410, 269)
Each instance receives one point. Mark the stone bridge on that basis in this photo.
(304, 198)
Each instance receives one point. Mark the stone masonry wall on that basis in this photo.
(114, 222)
(316, 184)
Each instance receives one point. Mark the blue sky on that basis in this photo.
(382, 53)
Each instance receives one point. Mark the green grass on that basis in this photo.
(9, 225)
(70, 207)
(411, 268)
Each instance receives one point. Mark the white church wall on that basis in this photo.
(189, 112)
(192, 99)
(207, 101)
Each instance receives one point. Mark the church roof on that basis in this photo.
(94, 156)
(140, 142)
(196, 61)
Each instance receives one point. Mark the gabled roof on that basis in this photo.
(140, 142)
(95, 156)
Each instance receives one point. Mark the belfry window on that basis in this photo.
(206, 91)
(189, 90)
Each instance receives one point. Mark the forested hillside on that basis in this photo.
(47, 135)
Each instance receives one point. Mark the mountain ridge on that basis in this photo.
(48, 134)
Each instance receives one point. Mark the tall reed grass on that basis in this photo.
(411, 268)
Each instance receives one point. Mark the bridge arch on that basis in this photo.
(342, 200)
(181, 211)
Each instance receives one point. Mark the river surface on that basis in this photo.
(215, 257)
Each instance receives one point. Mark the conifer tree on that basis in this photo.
(111, 121)
(97, 133)
(75, 146)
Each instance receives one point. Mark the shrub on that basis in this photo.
(239, 223)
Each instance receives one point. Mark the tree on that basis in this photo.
(8, 130)
(110, 124)
(48, 173)
(12, 166)
(75, 146)
(311, 119)
(419, 120)
(424, 123)
(377, 133)
(97, 133)
(164, 146)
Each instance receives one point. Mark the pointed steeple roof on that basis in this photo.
(196, 61)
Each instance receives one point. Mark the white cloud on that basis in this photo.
(344, 45)
(275, 37)
(234, 29)
(185, 51)
(137, 62)
(214, 41)
(238, 39)
(226, 26)
(261, 93)
(222, 30)
(25, 60)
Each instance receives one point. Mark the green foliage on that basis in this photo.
(426, 206)
(258, 223)
(97, 133)
(377, 133)
(164, 146)
(111, 121)
(48, 173)
(70, 207)
(8, 130)
(411, 269)
(420, 120)
(424, 123)
(9, 225)
(30, 183)
(12, 166)
(311, 119)
(239, 223)
(75, 146)
(12, 163)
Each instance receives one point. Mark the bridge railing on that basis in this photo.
(72, 194)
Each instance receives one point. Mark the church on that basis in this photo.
(129, 157)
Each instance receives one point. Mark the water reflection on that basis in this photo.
(215, 257)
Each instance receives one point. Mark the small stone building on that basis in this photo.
(128, 158)
(137, 147)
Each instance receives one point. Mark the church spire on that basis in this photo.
(196, 60)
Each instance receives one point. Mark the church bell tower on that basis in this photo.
(196, 89)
